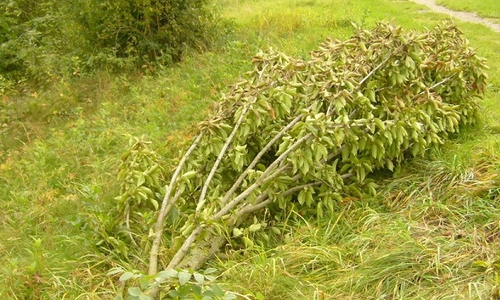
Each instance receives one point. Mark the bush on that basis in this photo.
(148, 30)
(304, 135)
(45, 39)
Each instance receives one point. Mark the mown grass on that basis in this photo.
(485, 8)
(431, 233)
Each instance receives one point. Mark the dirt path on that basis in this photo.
(464, 16)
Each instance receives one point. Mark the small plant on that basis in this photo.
(173, 284)
(140, 176)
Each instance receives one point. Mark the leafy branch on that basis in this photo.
(293, 129)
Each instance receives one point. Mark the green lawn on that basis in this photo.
(485, 8)
(432, 232)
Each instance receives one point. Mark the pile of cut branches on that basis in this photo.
(308, 132)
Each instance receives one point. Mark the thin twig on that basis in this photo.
(127, 222)
(380, 65)
(432, 87)
(300, 187)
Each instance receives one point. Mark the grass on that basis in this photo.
(431, 233)
(486, 8)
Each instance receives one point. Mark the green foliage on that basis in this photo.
(305, 134)
(82, 125)
(7, 21)
(42, 40)
(140, 176)
(25, 26)
(173, 285)
(147, 31)
(127, 227)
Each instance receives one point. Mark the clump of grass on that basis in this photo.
(280, 23)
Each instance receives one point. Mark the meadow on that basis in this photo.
(431, 232)
(484, 8)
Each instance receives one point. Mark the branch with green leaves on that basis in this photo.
(309, 133)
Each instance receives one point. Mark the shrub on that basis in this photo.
(306, 134)
(45, 39)
(147, 30)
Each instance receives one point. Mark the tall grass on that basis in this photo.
(431, 234)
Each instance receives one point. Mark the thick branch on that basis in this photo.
(258, 157)
(263, 200)
(181, 253)
(165, 209)
(263, 177)
(262, 180)
(202, 252)
(204, 190)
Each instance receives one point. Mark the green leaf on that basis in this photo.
(237, 232)
(218, 292)
(184, 277)
(189, 174)
(229, 296)
(114, 271)
(284, 146)
(196, 290)
(276, 230)
(141, 179)
(389, 164)
(155, 203)
(248, 242)
(254, 227)
(259, 296)
(126, 276)
(170, 273)
(302, 197)
(210, 271)
(361, 174)
(135, 291)
(380, 124)
(345, 153)
(200, 279)
(374, 151)
(370, 94)
(184, 290)
(319, 210)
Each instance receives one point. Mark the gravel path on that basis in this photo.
(464, 16)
